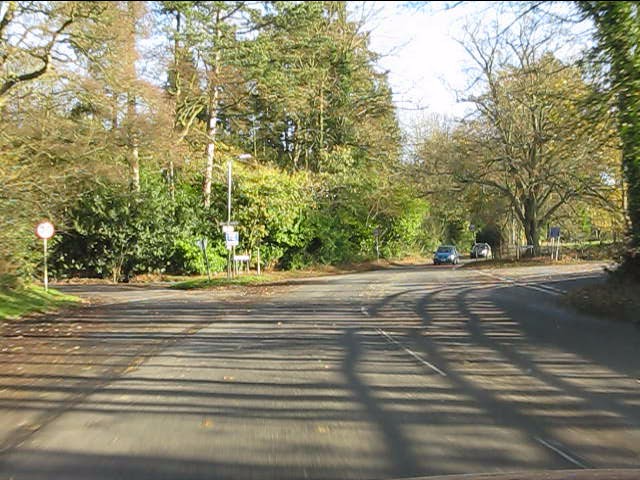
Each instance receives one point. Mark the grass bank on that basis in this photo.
(279, 277)
(615, 299)
(523, 262)
(243, 280)
(21, 301)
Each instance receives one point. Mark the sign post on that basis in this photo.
(472, 228)
(44, 231)
(228, 229)
(232, 239)
(554, 234)
(376, 234)
(203, 246)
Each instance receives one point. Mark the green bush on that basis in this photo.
(187, 258)
(296, 219)
(115, 233)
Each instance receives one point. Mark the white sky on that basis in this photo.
(420, 50)
(425, 62)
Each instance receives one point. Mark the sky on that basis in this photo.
(419, 43)
(419, 49)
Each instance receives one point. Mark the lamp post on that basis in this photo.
(242, 156)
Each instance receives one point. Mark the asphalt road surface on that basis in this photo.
(407, 372)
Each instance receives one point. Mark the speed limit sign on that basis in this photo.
(45, 230)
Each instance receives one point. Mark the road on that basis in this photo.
(407, 372)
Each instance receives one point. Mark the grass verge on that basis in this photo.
(280, 277)
(523, 262)
(244, 280)
(614, 299)
(21, 301)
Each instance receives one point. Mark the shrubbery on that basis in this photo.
(295, 220)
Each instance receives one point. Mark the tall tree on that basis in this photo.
(31, 36)
(211, 39)
(618, 35)
(317, 92)
(531, 140)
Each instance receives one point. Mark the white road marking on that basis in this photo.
(411, 352)
(564, 455)
(540, 288)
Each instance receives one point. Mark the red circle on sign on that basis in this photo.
(45, 230)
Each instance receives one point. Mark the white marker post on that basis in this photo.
(45, 231)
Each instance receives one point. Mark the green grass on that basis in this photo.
(243, 280)
(283, 276)
(21, 301)
(523, 262)
(508, 263)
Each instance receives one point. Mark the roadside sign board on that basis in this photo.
(554, 232)
(241, 258)
(232, 239)
(227, 228)
(45, 230)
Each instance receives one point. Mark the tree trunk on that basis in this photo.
(631, 169)
(531, 227)
(532, 232)
(172, 185)
(135, 166)
(134, 156)
(321, 118)
(211, 134)
(212, 121)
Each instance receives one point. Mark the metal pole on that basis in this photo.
(235, 264)
(206, 261)
(229, 195)
(229, 215)
(46, 274)
(258, 258)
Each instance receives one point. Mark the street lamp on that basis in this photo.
(241, 157)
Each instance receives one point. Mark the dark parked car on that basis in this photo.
(446, 254)
(481, 250)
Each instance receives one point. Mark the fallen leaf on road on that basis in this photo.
(207, 423)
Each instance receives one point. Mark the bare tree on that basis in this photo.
(530, 139)
(31, 34)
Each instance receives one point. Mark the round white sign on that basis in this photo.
(45, 230)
